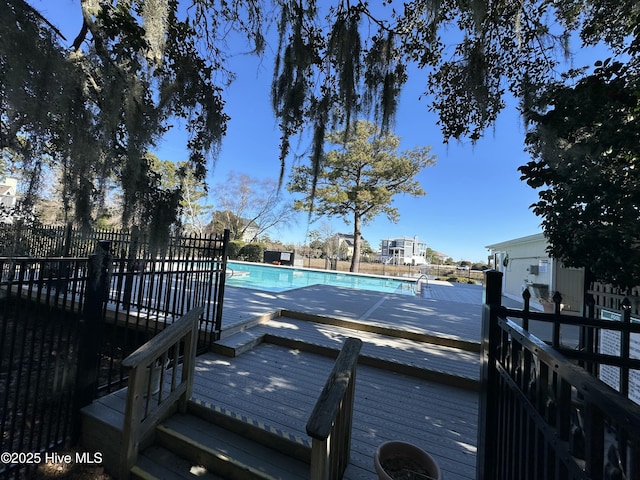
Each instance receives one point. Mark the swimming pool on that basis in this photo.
(280, 279)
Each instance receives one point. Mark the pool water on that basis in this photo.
(280, 279)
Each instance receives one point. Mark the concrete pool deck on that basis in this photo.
(447, 309)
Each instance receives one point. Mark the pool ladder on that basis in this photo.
(419, 288)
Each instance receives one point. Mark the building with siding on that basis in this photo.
(525, 264)
(403, 251)
(345, 243)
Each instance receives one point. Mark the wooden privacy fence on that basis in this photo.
(544, 412)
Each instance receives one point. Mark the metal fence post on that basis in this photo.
(66, 243)
(217, 327)
(487, 410)
(131, 267)
(91, 329)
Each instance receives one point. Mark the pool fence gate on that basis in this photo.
(551, 411)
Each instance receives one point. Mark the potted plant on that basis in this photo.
(404, 461)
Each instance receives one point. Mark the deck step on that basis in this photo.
(161, 464)
(258, 431)
(457, 365)
(224, 453)
(238, 343)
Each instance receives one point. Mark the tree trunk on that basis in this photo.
(355, 260)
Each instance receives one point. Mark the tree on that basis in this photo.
(249, 204)
(225, 219)
(354, 59)
(366, 250)
(96, 109)
(584, 143)
(324, 239)
(178, 177)
(137, 66)
(360, 178)
(431, 256)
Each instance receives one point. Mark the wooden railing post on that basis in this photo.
(329, 424)
(141, 413)
(487, 414)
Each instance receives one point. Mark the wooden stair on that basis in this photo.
(443, 360)
(208, 440)
(213, 442)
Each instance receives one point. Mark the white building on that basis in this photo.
(525, 264)
(403, 251)
(8, 190)
(345, 244)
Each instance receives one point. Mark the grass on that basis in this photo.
(441, 272)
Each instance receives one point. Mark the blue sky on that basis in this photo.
(474, 195)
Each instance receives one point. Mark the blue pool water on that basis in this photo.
(280, 279)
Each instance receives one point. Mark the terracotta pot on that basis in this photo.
(415, 456)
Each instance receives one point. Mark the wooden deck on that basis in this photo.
(277, 386)
(281, 365)
(445, 360)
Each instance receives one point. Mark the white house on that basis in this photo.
(8, 190)
(345, 243)
(403, 251)
(525, 263)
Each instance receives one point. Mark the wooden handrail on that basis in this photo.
(165, 339)
(330, 422)
(140, 416)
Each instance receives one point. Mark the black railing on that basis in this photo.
(66, 325)
(544, 412)
(148, 292)
(41, 304)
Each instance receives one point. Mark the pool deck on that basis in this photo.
(434, 413)
(407, 389)
(447, 309)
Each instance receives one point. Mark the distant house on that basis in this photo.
(251, 230)
(403, 251)
(345, 244)
(8, 190)
(438, 258)
(525, 264)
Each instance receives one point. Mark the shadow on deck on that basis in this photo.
(253, 395)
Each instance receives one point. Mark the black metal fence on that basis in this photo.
(545, 411)
(39, 327)
(66, 323)
(149, 290)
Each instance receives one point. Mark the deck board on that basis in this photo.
(278, 386)
(408, 352)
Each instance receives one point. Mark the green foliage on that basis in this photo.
(252, 252)
(177, 177)
(233, 249)
(352, 59)
(222, 220)
(97, 108)
(586, 163)
(360, 178)
(137, 68)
